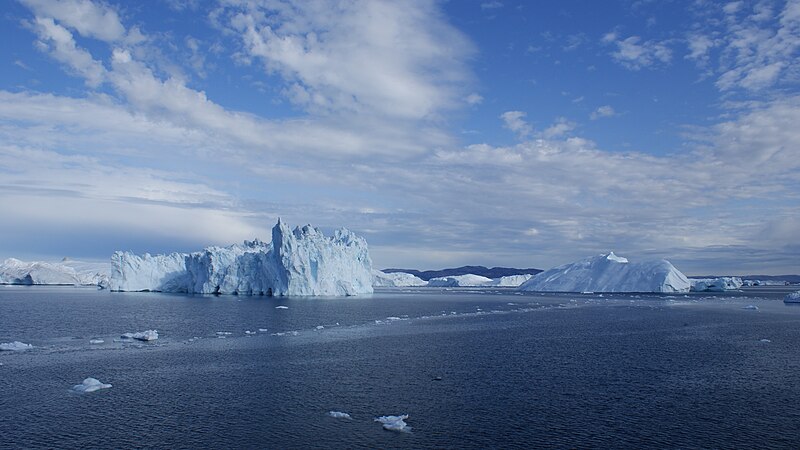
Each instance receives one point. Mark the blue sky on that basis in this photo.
(447, 133)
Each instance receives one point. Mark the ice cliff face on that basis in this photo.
(610, 273)
(510, 280)
(395, 279)
(66, 272)
(297, 262)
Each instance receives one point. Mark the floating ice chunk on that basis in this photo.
(15, 346)
(395, 279)
(794, 297)
(281, 307)
(320, 327)
(90, 385)
(149, 335)
(262, 330)
(339, 415)
(753, 307)
(248, 332)
(224, 333)
(720, 284)
(468, 280)
(765, 340)
(96, 341)
(394, 423)
(610, 273)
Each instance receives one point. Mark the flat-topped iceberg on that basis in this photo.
(719, 284)
(396, 279)
(297, 262)
(794, 297)
(66, 272)
(468, 280)
(610, 273)
(394, 423)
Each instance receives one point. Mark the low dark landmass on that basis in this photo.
(494, 272)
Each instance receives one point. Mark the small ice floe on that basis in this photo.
(96, 341)
(149, 335)
(765, 340)
(15, 346)
(320, 327)
(90, 385)
(794, 297)
(394, 423)
(262, 330)
(281, 307)
(249, 333)
(339, 415)
(752, 307)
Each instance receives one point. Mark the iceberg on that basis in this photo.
(468, 280)
(510, 280)
(720, 284)
(339, 415)
(394, 423)
(90, 385)
(794, 297)
(15, 346)
(610, 273)
(296, 262)
(149, 335)
(396, 279)
(66, 272)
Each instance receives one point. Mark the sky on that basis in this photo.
(498, 133)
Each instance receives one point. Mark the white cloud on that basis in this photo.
(515, 121)
(491, 5)
(602, 111)
(58, 41)
(634, 53)
(88, 18)
(474, 99)
(560, 127)
(361, 57)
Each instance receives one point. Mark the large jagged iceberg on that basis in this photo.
(297, 262)
(396, 279)
(66, 272)
(793, 297)
(610, 273)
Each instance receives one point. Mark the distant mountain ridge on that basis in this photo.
(494, 272)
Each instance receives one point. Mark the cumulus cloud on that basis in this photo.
(362, 57)
(635, 54)
(88, 18)
(602, 111)
(58, 41)
(515, 121)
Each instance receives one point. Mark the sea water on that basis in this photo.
(471, 369)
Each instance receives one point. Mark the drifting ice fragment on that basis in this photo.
(794, 297)
(753, 307)
(394, 423)
(339, 415)
(281, 307)
(15, 346)
(90, 385)
(96, 341)
(149, 335)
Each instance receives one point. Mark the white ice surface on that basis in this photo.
(719, 284)
(296, 262)
(610, 273)
(396, 279)
(394, 423)
(510, 280)
(794, 297)
(468, 280)
(149, 335)
(15, 346)
(66, 272)
(339, 415)
(90, 385)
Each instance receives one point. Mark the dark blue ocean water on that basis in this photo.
(517, 371)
